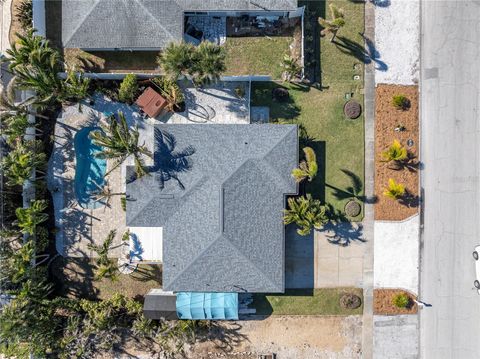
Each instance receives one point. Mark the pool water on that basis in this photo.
(90, 170)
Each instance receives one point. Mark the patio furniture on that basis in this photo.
(151, 102)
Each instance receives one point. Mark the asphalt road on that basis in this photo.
(450, 150)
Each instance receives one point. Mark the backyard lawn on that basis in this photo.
(337, 141)
(324, 301)
(256, 55)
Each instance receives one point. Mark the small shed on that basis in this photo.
(151, 102)
(160, 305)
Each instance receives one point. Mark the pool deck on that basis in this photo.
(76, 226)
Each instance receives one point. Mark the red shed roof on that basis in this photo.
(151, 102)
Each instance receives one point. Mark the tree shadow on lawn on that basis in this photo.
(366, 55)
(354, 191)
(148, 273)
(284, 110)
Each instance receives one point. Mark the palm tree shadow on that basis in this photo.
(366, 54)
(340, 231)
(353, 191)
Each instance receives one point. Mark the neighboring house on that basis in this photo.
(220, 221)
(151, 24)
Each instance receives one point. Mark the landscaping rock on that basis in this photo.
(350, 301)
(353, 208)
(352, 109)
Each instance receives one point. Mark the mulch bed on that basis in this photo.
(387, 118)
(382, 302)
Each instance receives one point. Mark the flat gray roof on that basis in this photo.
(220, 208)
(147, 24)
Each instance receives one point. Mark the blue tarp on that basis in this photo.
(215, 306)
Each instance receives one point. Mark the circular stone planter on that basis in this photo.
(352, 109)
(350, 301)
(353, 208)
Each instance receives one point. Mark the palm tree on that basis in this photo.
(106, 267)
(9, 107)
(104, 193)
(291, 67)
(170, 90)
(396, 153)
(336, 23)
(29, 218)
(176, 59)
(21, 161)
(395, 190)
(208, 63)
(308, 168)
(306, 212)
(118, 142)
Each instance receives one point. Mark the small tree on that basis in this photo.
(105, 267)
(119, 141)
(176, 59)
(208, 63)
(170, 90)
(128, 89)
(401, 300)
(400, 102)
(29, 218)
(21, 161)
(394, 190)
(396, 153)
(308, 168)
(335, 24)
(291, 67)
(306, 213)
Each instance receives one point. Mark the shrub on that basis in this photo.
(123, 203)
(350, 301)
(401, 300)
(280, 94)
(24, 13)
(400, 102)
(395, 190)
(170, 90)
(128, 89)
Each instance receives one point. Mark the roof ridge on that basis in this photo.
(66, 41)
(155, 19)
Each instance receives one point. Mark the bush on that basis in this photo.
(170, 90)
(350, 301)
(24, 13)
(400, 102)
(280, 94)
(401, 300)
(128, 89)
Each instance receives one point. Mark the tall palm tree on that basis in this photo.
(394, 190)
(119, 141)
(291, 67)
(106, 267)
(176, 59)
(308, 168)
(306, 213)
(21, 161)
(208, 63)
(104, 193)
(333, 25)
(9, 107)
(29, 218)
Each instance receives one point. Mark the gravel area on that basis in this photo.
(398, 55)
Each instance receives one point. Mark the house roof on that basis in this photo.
(222, 220)
(106, 24)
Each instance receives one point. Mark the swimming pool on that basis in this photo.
(90, 170)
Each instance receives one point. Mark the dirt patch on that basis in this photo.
(387, 119)
(383, 302)
(15, 25)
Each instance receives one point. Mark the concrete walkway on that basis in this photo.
(396, 337)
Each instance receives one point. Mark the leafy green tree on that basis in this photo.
(75, 86)
(21, 161)
(105, 267)
(333, 25)
(307, 213)
(208, 63)
(308, 168)
(395, 153)
(176, 59)
(128, 89)
(119, 141)
(291, 67)
(394, 190)
(29, 218)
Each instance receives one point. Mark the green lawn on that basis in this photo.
(256, 55)
(325, 301)
(338, 142)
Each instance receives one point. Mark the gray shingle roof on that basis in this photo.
(98, 24)
(223, 231)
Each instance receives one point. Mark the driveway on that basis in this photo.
(450, 138)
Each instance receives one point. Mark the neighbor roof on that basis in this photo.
(108, 24)
(223, 231)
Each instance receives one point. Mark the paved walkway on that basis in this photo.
(396, 337)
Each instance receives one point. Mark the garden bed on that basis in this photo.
(387, 118)
(383, 302)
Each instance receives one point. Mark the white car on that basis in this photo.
(476, 256)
